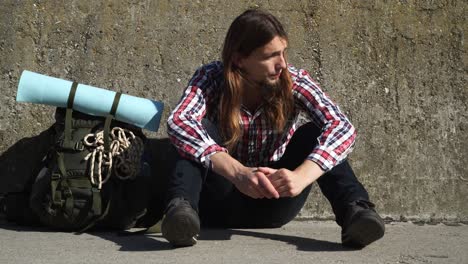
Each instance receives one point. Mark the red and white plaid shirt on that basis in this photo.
(260, 145)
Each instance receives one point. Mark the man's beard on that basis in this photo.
(271, 90)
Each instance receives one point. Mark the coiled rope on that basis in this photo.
(123, 157)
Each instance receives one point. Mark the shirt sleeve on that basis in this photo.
(338, 134)
(184, 126)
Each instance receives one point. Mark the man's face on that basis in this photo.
(265, 64)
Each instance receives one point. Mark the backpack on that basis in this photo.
(93, 175)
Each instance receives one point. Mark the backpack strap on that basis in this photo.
(67, 142)
(108, 121)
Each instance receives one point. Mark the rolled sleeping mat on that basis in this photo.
(42, 89)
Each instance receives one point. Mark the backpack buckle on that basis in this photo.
(79, 146)
(67, 192)
(55, 176)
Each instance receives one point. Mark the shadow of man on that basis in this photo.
(301, 243)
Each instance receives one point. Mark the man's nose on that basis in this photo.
(281, 64)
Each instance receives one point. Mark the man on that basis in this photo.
(243, 160)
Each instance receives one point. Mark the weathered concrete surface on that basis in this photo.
(397, 68)
(297, 242)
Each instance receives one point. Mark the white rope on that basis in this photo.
(123, 157)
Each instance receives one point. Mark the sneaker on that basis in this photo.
(362, 225)
(181, 224)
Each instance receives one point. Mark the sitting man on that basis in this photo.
(244, 162)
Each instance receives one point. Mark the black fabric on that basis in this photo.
(220, 204)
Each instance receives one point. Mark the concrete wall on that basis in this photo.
(397, 68)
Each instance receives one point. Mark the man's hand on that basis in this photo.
(249, 181)
(287, 183)
(292, 183)
(255, 184)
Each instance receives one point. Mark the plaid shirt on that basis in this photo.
(259, 145)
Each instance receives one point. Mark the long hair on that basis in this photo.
(251, 30)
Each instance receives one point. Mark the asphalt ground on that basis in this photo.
(296, 242)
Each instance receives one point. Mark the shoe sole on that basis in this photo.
(181, 228)
(365, 230)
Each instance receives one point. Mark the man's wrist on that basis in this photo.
(225, 165)
(309, 169)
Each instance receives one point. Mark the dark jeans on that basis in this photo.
(220, 204)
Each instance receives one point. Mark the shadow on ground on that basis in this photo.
(301, 243)
(137, 241)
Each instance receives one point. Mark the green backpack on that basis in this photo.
(93, 175)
